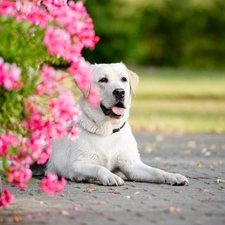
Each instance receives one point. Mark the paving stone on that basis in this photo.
(201, 157)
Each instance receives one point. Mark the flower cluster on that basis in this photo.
(49, 80)
(10, 75)
(19, 174)
(93, 97)
(62, 112)
(7, 8)
(27, 10)
(72, 28)
(5, 198)
(51, 185)
(7, 140)
(67, 30)
(78, 69)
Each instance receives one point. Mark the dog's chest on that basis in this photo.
(107, 152)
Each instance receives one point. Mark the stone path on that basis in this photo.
(201, 157)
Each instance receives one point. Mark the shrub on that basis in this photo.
(33, 35)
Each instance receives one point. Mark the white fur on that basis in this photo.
(98, 153)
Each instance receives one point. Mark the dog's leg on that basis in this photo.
(139, 171)
(86, 172)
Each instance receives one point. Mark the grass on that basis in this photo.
(179, 100)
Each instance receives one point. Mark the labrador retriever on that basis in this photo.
(106, 144)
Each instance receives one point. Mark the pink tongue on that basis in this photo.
(118, 111)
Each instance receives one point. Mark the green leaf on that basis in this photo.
(12, 151)
(5, 163)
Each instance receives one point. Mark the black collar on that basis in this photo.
(118, 129)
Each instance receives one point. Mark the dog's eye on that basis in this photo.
(103, 80)
(124, 79)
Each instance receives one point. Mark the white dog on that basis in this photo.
(106, 144)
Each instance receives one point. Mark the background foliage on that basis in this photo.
(17, 46)
(159, 33)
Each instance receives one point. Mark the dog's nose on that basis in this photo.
(119, 93)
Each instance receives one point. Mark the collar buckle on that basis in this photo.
(118, 129)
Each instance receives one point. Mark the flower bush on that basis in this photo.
(36, 34)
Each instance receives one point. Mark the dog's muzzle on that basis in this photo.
(119, 93)
(117, 111)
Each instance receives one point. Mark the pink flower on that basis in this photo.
(74, 133)
(7, 140)
(70, 31)
(35, 116)
(63, 106)
(51, 186)
(77, 30)
(82, 73)
(7, 8)
(19, 174)
(75, 208)
(50, 80)
(86, 32)
(45, 155)
(10, 75)
(57, 41)
(94, 98)
(43, 129)
(33, 13)
(57, 3)
(3, 147)
(6, 198)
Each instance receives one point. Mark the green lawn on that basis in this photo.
(179, 100)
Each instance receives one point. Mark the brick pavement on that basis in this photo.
(201, 157)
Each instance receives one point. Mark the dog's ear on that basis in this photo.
(86, 92)
(134, 79)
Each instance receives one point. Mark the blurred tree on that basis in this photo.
(159, 33)
(116, 23)
(164, 34)
(205, 46)
(184, 33)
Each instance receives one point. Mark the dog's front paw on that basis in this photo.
(176, 179)
(111, 179)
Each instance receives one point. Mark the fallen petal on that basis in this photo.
(175, 209)
(204, 190)
(64, 213)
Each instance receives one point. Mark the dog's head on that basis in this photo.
(115, 84)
